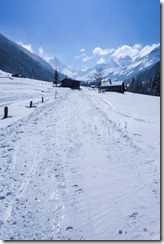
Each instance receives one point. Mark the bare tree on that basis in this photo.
(98, 75)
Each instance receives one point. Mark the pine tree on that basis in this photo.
(136, 85)
(155, 85)
(131, 85)
(56, 77)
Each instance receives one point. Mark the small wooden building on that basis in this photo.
(73, 84)
(114, 86)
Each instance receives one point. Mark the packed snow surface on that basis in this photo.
(82, 165)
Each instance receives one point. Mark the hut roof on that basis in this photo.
(112, 83)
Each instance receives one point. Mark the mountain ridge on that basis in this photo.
(114, 71)
(124, 68)
(16, 59)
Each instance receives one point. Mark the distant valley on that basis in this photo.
(18, 60)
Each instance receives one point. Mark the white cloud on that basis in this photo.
(99, 51)
(26, 46)
(124, 51)
(47, 58)
(41, 51)
(78, 56)
(132, 52)
(43, 55)
(101, 61)
(84, 69)
(137, 46)
(86, 58)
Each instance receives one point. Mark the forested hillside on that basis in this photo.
(146, 82)
(15, 59)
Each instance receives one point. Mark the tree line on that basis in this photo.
(151, 87)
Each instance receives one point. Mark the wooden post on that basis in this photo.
(5, 112)
(30, 104)
(42, 99)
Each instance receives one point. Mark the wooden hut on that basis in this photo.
(113, 86)
(73, 84)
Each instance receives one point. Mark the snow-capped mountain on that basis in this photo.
(144, 62)
(16, 59)
(61, 67)
(123, 67)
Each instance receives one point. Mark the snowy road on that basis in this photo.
(80, 168)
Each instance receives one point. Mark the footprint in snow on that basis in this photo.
(120, 232)
(75, 186)
(133, 215)
(57, 176)
(2, 197)
(79, 191)
(10, 149)
(69, 228)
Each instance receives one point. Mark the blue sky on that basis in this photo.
(73, 29)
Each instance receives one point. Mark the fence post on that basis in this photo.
(5, 112)
(30, 104)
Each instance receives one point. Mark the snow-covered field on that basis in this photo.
(82, 165)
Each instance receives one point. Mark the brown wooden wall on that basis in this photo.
(114, 88)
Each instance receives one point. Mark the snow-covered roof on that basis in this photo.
(111, 83)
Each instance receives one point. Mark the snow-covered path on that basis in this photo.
(77, 168)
